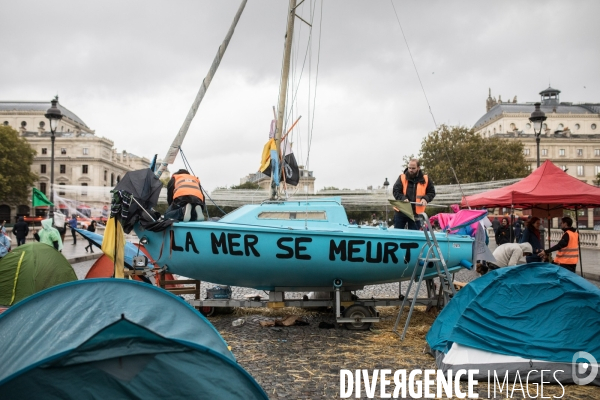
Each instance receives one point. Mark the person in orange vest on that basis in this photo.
(185, 197)
(567, 255)
(412, 186)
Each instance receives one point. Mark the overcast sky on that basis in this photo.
(131, 70)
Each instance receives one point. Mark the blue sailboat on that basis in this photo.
(296, 246)
(292, 244)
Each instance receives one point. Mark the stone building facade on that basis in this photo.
(570, 135)
(84, 163)
(305, 185)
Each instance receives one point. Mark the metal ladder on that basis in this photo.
(426, 256)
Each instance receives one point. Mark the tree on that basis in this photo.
(247, 185)
(473, 157)
(16, 157)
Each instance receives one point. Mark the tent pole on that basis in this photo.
(578, 242)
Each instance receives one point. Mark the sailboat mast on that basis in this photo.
(174, 149)
(287, 55)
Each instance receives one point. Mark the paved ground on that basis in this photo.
(304, 362)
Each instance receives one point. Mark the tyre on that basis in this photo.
(207, 311)
(357, 311)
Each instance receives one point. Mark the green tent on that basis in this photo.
(31, 268)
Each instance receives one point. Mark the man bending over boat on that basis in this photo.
(415, 187)
(185, 197)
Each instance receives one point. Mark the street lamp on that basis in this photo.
(54, 115)
(537, 118)
(386, 184)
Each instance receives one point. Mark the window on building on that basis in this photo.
(105, 174)
(528, 167)
(577, 126)
(86, 151)
(43, 187)
(597, 152)
(545, 152)
(44, 150)
(545, 126)
(580, 170)
(63, 151)
(23, 124)
(63, 169)
(84, 169)
(593, 126)
(526, 152)
(579, 152)
(61, 191)
(561, 152)
(112, 179)
(43, 168)
(84, 189)
(528, 126)
(597, 169)
(42, 124)
(5, 123)
(513, 127)
(118, 178)
(564, 168)
(561, 127)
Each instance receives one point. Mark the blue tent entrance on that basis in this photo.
(525, 318)
(112, 338)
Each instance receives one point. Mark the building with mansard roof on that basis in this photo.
(570, 135)
(81, 158)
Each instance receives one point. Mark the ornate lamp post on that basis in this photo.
(537, 118)
(54, 115)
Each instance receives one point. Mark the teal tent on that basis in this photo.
(114, 338)
(522, 319)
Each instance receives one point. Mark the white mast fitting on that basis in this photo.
(174, 149)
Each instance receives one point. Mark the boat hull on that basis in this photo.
(287, 258)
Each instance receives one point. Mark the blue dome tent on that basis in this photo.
(112, 338)
(529, 317)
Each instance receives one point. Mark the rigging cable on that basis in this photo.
(312, 121)
(426, 99)
(187, 166)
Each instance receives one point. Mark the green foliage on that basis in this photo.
(597, 181)
(474, 158)
(246, 185)
(16, 157)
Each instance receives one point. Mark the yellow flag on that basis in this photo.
(113, 245)
(265, 161)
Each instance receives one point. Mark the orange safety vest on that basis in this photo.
(187, 185)
(421, 191)
(569, 254)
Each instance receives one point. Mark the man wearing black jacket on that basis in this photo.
(21, 230)
(415, 187)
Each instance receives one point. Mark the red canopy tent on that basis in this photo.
(547, 188)
(546, 191)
